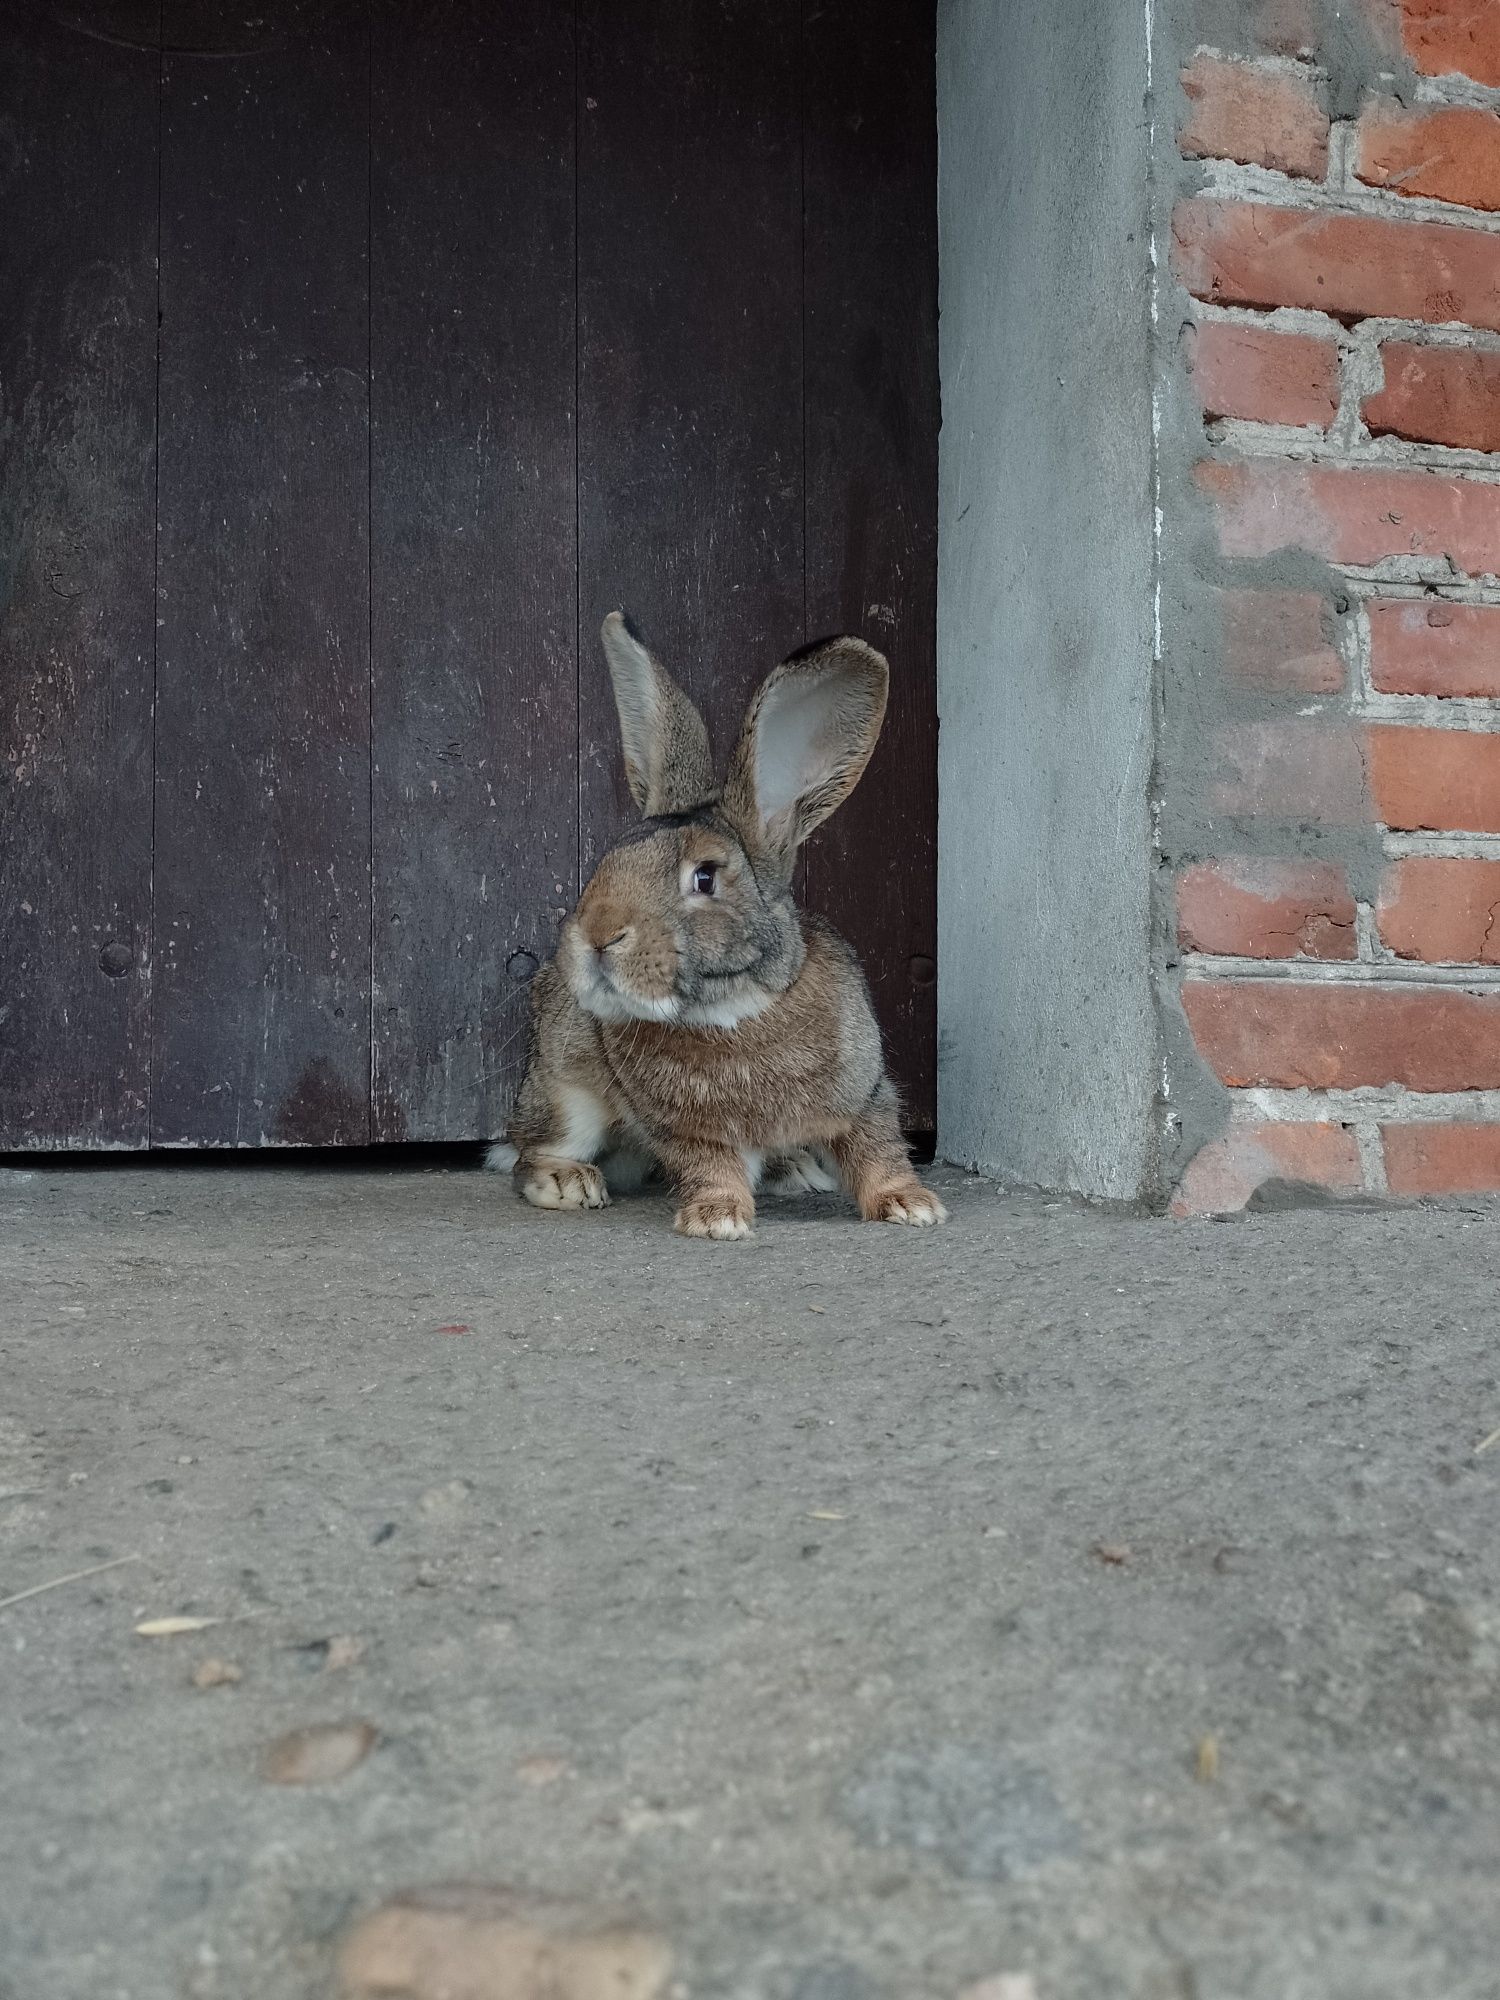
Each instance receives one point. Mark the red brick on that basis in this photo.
(1250, 254)
(1299, 770)
(1255, 908)
(1442, 1159)
(1443, 911)
(1277, 640)
(1453, 37)
(1222, 1177)
(1259, 116)
(1447, 395)
(1354, 515)
(1424, 646)
(1271, 378)
(1296, 1035)
(1446, 780)
(1449, 154)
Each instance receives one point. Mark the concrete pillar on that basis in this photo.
(1048, 1049)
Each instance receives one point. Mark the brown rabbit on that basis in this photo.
(691, 1016)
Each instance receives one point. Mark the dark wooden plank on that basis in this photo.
(474, 514)
(872, 428)
(263, 747)
(690, 390)
(78, 125)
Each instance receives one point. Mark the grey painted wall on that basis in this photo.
(1048, 1043)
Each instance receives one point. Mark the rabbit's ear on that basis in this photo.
(667, 758)
(807, 737)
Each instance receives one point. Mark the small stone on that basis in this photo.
(541, 1770)
(215, 1674)
(447, 1503)
(475, 1943)
(343, 1651)
(319, 1754)
(1117, 1553)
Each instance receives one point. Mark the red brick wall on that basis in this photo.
(1336, 956)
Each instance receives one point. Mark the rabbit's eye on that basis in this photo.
(705, 875)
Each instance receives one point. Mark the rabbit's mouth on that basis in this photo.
(600, 991)
(608, 1001)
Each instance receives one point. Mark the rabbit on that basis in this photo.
(691, 1018)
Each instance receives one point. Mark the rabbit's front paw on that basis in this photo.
(909, 1202)
(565, 1184)
(727, 1218)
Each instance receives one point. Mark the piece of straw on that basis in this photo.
(73, 1576)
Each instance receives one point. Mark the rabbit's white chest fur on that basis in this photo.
(791, 1075)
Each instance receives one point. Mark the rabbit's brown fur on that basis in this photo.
(691, 1015)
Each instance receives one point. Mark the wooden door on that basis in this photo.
(357, 356)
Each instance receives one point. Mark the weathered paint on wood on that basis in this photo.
(870, 256)
(690, 356)
(78, 117)
(475, 322)
(262, 1005)
(473, 550)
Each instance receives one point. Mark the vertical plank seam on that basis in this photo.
(577, 466)
(151, 951)
(802, 277)
(372, 1132)
(804, 862)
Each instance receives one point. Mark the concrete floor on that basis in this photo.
(753, 1591)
